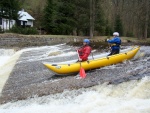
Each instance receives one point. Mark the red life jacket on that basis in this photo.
(84, 52)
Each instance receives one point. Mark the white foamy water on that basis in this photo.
(8, 59)
(127, 97)
(5, 54)
(3, 59)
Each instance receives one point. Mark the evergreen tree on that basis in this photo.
(9, 9)
(82, 17)
(59, 17)
(118, 25)
(108, 31)
(49, 16)
(2, 8)
(100, 24)
(65, 17)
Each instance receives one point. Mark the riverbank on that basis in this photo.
(18, 41)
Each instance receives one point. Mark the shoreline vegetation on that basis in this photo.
(97, 42)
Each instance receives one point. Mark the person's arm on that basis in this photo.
(114, 40)
(80, 52)
(111, 41)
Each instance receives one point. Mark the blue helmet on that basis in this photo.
(86, 41)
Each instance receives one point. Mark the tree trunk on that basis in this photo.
(146, 19)
(9, 23)
(3, 24)
(91, 18)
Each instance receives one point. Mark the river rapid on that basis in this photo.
(121, 88)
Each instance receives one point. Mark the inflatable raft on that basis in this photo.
(93, 63)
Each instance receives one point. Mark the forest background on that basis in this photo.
(131, 18)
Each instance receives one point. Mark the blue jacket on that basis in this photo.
(116, 42)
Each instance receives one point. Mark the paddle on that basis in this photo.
(82, 71)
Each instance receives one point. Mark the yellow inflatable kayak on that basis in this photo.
(97, 62)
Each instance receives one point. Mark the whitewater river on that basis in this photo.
(121, 88)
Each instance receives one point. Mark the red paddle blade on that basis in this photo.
(82, 73)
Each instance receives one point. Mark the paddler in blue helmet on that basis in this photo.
(85, 50)
(115, 43)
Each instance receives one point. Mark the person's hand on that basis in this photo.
(106, 40)
(80, 59)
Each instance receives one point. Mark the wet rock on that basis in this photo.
(54, 53)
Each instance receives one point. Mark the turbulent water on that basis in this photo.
(5, 54)
(128, 97)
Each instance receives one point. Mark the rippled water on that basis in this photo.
(128, 97)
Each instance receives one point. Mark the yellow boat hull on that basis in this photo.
(66, 69)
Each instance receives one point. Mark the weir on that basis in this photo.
(6, 69)
(20, 41)
(28, 77)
